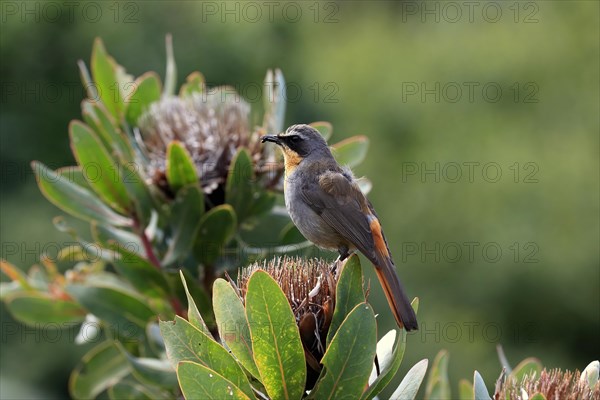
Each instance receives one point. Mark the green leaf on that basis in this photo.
(438, 386)
(349, 357)
(171, 73)
(92, 156)
(199, 382)
(261, 202)
(233, 325)
(181, 170)
(351, 151)
(274, 101)
(141, 195)
(141, 273)
(324, 128)
(74, 174)
(591, 374)
(291, 235)
(146, 91)
(34, 309)
(107, 235)
(217, 227)
(186, 214)
(151, 371)
(99, 369)
(479, 390)
(411, 383)
(194, 83)
(348, 294)
(465, 390)
(239, 184)
(131, 389)
(104, 72)
(194, 315)
(126, 315)
(389, 360)
(186, 343)
(526, 367)
(73, 198)
(276, 344)
(99, 119)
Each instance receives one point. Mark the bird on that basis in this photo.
(327, 206)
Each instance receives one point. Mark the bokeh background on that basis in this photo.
(484, 128)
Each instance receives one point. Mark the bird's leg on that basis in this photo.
(344, 253)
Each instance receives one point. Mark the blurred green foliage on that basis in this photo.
(358, 69)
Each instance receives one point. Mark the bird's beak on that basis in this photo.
(270, 138)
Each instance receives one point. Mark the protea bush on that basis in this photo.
(529, 380)
(289, 329)
(172, 186)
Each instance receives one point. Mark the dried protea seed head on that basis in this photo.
(309, 285)
(211, 125)
(553, 384)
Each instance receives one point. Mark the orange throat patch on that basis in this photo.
(291, 160)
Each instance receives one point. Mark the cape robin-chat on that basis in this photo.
(326, 204)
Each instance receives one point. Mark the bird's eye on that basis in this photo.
(294, 138)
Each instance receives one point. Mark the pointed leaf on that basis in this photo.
(15, 274)
(389, 361)
(126, 315)
(107, 235)
(465, 390)
(105, 126)
(348, 359)
(73, 198)
(217, 227)
(438, 386)
(239, 192)
(75, 175)
(34, 309)
(526, 367)
(143, 275)
(92, 156)
(233, 325)
(591, 374)
(351, 151)
(411, 383)
(186, 343)
(199, 382)
(151, 371)
(99, 369)
(131, 389)
(104, 72)
(186, 213)
(479, 390)
(194, 316)
(171, 73)
(291, 235)
(348, 294)
(181, 170)
(146, 91)
(274, 102)
(276, 344)
(324, 128)
(194, 83)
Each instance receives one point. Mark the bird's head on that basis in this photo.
(299, 142)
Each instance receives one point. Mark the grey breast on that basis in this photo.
(308, 222)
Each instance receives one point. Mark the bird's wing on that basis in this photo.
(341, 204)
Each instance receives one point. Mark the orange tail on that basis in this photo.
(396, 296)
